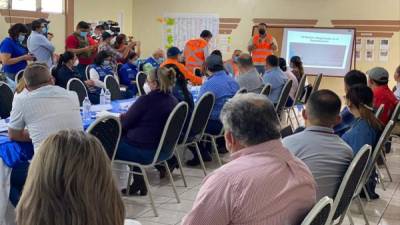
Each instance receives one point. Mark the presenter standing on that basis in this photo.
(196, 50)
(262, 45)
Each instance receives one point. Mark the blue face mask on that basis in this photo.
(21, 38)
(106, 62)
(160, 60)
(44, 30)
(83, 34)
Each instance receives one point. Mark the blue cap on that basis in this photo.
(173, 51)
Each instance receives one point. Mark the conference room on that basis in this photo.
(136, 112)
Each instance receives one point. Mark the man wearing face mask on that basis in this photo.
(39, 45)
(232, 65)
(154, 61)
(127, 74)
(262, 45)
(83, 46)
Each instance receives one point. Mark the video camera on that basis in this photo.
(111, 27)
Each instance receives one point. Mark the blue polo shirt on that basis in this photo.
(277, 79)
(15, 49)
(223, 87)
(127, 74)
(360, 134)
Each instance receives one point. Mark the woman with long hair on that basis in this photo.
(143, 124)
(297, 67)
(70, 182)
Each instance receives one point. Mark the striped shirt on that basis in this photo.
(41, 48)
(263, 184)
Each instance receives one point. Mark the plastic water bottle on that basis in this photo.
(107, 96)
(86, 110)
(102, 97)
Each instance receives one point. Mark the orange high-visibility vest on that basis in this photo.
(263, 49)
(194, 53)
(235, 68)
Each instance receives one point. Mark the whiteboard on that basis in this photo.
(178, 28)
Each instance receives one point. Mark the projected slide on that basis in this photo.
(326, 51)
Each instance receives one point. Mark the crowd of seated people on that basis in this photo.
(311, 162)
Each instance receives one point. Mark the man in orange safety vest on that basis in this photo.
(262, 45)
(196, 50)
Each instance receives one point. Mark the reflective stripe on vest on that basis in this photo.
(262, 50)
(193, 50)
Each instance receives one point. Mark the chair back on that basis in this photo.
(6, 99)
(171, 133)
(266, 90)
(375, 155)
(77, 85)
(113, 86)
(197, 72)
(283, 97)
(319, 213)
(140, 80)
(199, 119)
(87, 73)
(108, 130)
(286, 131)
(349, 183)
(19, 76)
(242, 91)
(395, 113)
(317, 83)
(379, 110)
(300, 90)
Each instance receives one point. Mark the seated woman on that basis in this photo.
(70, 182)
(366, 128)
(143, 124)
(65, 70)
(97, 72)
(127, 74)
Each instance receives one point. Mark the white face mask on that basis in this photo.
(146, 88)
(76, 62)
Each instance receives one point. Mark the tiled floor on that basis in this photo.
(384, 211)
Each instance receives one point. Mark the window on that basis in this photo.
(3, 4)
(52, 6)
(29, 5)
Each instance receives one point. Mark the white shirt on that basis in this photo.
(45, 111)
(94, 75)
(295, 83)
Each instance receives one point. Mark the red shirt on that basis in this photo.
(73, 42)
(383, 95)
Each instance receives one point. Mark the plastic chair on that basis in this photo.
(18, 76)
(87, 73)
(77, 86)
(297, 99)
(195, 131)
(167, 144)
(284, 96)
(266, 90)
(6, 99)
(140, 80)
(242, 91)
(319, 213)
(316, 84)
(113, 86)
(379, 110)
(348, 186)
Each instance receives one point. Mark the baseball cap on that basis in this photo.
(173, 51)
(378, 74)
(214, 62)
(106, 35)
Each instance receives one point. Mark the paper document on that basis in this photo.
(106, 113)
(3, 126)
(98, 108)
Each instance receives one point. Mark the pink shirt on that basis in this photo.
(263, 184)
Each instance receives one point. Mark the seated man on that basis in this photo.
(154, 61)
(223, 87)
(275, 77)
(174, 54)
(325, 153)
(263, 183)
(248, 76)
(378, 79)
(351, 79)
(127, 74)
(45, 109)
(231, 65)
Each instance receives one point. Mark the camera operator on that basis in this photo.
(121, 44)
(83, 46)
(98, 31)
(39, 45)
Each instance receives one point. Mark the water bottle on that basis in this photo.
(86, 110)
(102, 97)
(107, 96)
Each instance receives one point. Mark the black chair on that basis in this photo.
(141, 78)
(195, 131)
(87, 73)
(286, 131)
(317, 83)
(108, 130)
(19, 76)
(6, 99)
(242, 91)
(284, 96)
(319, 213)
(297, 100)
(77, 85)
(348, 186)
(113, 86)
(169, 139)
(266, 90)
